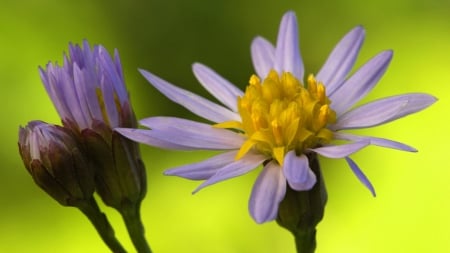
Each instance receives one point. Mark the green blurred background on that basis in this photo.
(411, 210)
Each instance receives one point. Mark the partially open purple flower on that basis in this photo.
(280, 118)
(56, 162)
(89, 94)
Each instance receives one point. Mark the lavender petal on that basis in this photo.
(360, 83)
(239, 167)
(383, 110)
(219, 87)
(204, 169)
(375, 141)
(287, 53)
(360, 175)
(196, 104)
(341, 151)
(267, 193)
(341, 59)
(297, 172)
(263, 54)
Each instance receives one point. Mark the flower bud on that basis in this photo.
(301, 211)
(90, 96)
(54, 159)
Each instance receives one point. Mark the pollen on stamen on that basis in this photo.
(279, 114)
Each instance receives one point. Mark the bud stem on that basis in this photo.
(132, 218)
(98, 219)
(305, 241)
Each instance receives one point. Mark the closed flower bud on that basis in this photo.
(54, 159)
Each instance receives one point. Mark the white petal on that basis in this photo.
(360, 83)
(267, 193)
(297, 172)
(341, 59)
(374, 141)
(287, 52)
(383, 110)
(263, 54)
(244, 165)
(196, 104)
(204, 169)
(219, 87)
(341, 151)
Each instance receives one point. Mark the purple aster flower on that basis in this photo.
(280, 118)
(89, 94)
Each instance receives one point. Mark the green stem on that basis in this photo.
(101, 224)
(132, 218)
(305, 241)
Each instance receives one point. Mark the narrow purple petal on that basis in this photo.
(383, 110)
(297, 172)
(109, 101)
(360, 175)
(341, 59)
(287, 52)
(196, 104)
(194, 134)
(219, 87)
(204, 169)
(150, 138)
(341, 151)
(53, 91)
(375, 141)
(360, 83)
(239, 167)
(263, 55)
(267, 193)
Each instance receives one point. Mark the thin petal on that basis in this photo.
(193, 134)
(267, 193)
(360, 83)
(297, 172)
(360, 175)
(244, 165)
(341, 59)
(375, 141)
(287, 52)
(263, 55)
(383, 110)
(341, 151)
(196, 104)
(219, 87)
(203, 170)
(148, 137)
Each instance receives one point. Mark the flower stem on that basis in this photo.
(132, 218)
(98, 219)
(305, 241)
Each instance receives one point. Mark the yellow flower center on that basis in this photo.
(280, 115)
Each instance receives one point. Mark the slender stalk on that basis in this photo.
(132, 218)
(98, 219)
(305, 241)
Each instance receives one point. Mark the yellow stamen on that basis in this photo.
(280, 114)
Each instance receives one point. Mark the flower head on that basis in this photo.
(89, 94)
(89, 88)
(279, 119)
(56, 162)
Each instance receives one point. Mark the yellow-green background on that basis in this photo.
(411, 210)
